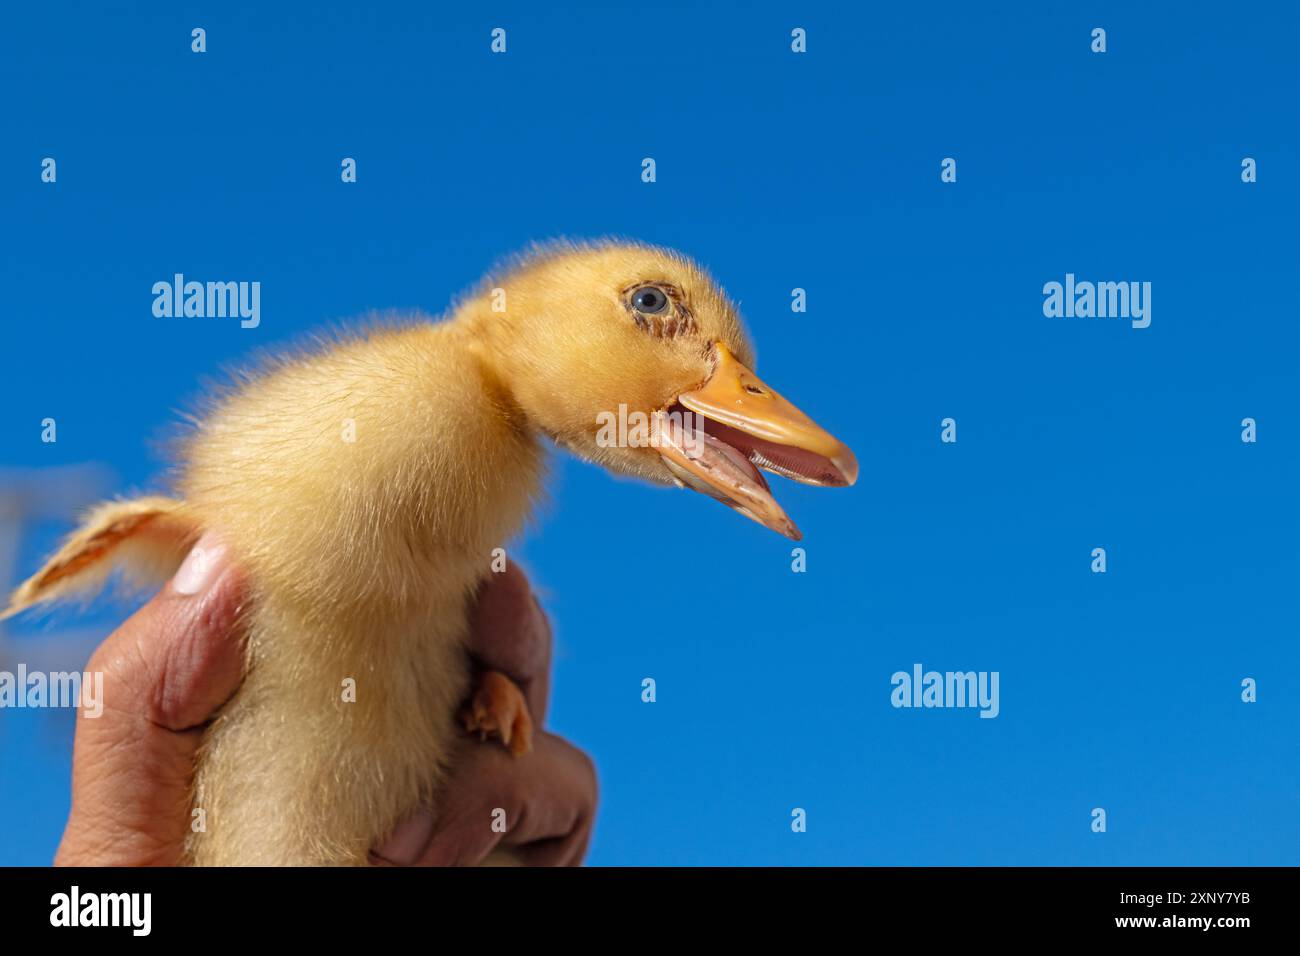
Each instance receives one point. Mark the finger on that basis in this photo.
(555, 816)
(510, 633)
(545, 801)
(166, 670)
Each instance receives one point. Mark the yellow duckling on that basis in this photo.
(364, 486)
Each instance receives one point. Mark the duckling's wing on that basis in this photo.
(146, 537)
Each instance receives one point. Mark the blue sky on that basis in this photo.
(822, 171)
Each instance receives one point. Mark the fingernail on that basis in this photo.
(408, 840)
(201, 565)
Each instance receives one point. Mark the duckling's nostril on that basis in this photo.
(754, 390)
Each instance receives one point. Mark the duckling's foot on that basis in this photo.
(497, 708)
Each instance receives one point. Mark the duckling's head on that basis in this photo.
(633, 358)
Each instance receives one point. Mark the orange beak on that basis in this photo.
(741, 424)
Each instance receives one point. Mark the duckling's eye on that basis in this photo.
(650, 300)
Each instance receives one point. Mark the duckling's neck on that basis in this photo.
(487, 460)
(445, 468)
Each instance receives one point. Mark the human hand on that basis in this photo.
(548, 795)
(167, 671)
(173, 664)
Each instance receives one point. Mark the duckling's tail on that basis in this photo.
(147, 538)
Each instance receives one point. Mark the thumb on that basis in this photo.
(165, 672)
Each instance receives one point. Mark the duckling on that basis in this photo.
(364, 484)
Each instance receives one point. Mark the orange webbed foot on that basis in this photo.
(497, 708)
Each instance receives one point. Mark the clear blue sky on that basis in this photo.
(777, 170)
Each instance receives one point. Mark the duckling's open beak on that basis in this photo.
(741, 422)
